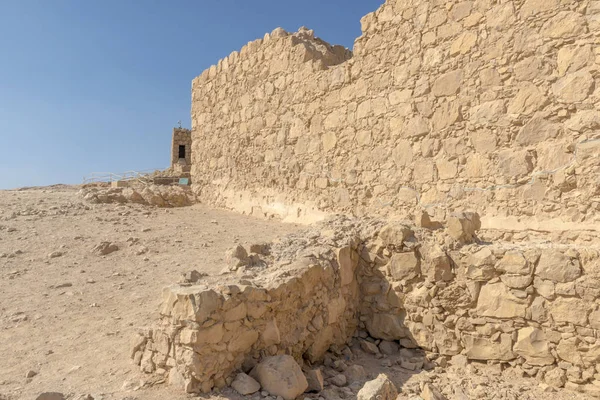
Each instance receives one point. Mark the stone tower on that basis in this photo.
(181, 150)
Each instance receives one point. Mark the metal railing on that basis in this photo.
(141, 176)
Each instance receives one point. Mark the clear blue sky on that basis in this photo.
(97, 85)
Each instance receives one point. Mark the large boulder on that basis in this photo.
(281, 376)
(380, 388)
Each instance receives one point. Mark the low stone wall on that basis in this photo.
(154, 195)
(531, 307)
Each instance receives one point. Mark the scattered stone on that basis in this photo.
(192, 276)
(281, 376)
(314, 377)
(380, 388)
(245, 384)
(55, 254)
(105, 248)
(355, 373)
(339, 380)
(30, 374)
(430, 392)
(369, 347)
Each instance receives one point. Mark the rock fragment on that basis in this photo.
(281, 376)
(245, 384)
(380, 388)
(105, 248)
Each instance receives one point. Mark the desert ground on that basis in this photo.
(67, 313)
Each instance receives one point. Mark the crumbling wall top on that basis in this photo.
(284, 49)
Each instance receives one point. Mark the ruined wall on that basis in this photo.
(530, 307)
(487, 104)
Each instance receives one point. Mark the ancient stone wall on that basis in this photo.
(181, 137)
(532, 308)
(491, 105)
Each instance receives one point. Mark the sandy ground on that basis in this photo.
(67, 314)
(70, 318)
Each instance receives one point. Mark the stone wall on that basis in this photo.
(444, 104)
(532, 308)
(181, 137)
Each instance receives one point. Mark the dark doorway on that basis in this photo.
(181, 151)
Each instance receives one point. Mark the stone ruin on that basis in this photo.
(444, 111)
(530, 307)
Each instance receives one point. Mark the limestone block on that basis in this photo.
(386, 326)
(514, 262)
(380, 388)
(556, 377)
(544, 287)
(437, 265)
(394, 234)
(323, 340)
(190, 302)
(416, 127)
(404, 266)
(281, 376)
(446, 115)
(462, 226)
(484, 141)
(447, 84)
(556, 266)
(213, 334)
(487, 112)
(430, 392)
(335, 309)
(480, 265)
(528, 100)
(243, 341)
(513, 163)
(420, 335)
(528, 69)
(478, 348)
(537, 130)
(446, 340)
(500, 16)
(533, 346)
(583, 119)
(329, 141)
(569, 309)
(565, 24)
(314, 378)
(575, 87)
(447, 169)
(594, 319)
(534, 7)
(516, 281)
(403, 154)
(423, 171)
(496, 300)
(461, 10)
(270, 334)
(348, 261)
(464, 43)
(573, 58)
